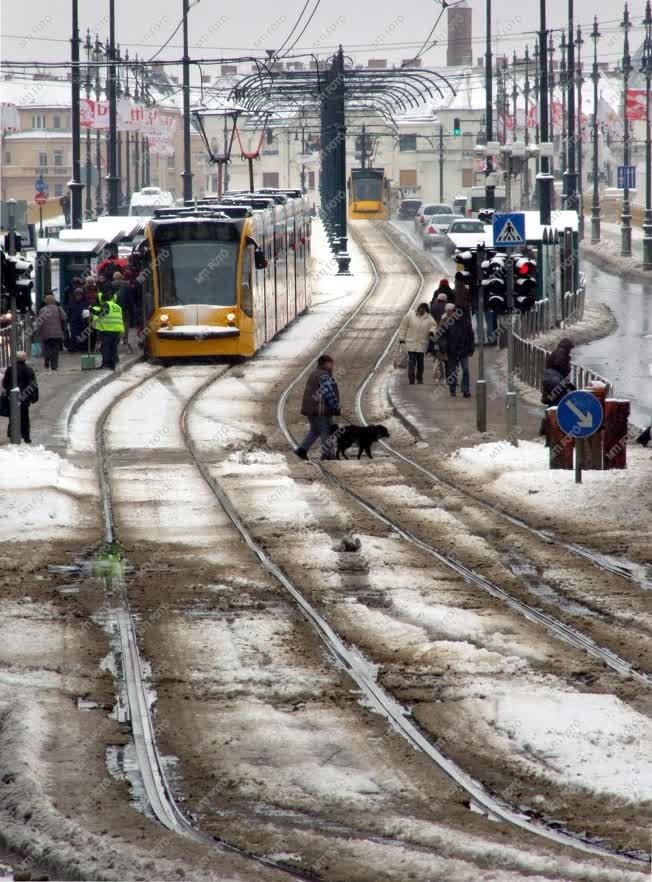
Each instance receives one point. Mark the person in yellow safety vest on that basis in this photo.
(107, 318)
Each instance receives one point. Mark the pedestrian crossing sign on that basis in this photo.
(509, 229)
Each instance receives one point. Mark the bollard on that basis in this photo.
(561, 445)
(616, 415)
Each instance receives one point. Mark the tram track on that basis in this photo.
(346, 655)
(554, 626)
(157, 788)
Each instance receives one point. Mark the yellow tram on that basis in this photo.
(368, 194)
(222, 278)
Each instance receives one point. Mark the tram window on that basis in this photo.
(247, 297)
(367, 189)
(198, 272)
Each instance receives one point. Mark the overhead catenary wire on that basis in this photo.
(305, 27)
(296, 25)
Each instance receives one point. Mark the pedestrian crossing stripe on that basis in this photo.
(509, 233)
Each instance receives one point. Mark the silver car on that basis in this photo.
(426, 211)
(436, 228)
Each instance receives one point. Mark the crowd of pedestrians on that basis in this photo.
(443, 330)
(95, 313)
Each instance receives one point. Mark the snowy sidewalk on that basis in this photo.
(58, 389)
(606, 253)
(449, 423)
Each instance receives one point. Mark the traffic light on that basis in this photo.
(486, 215)
(466, 263)
(457, 127)
(18, 242)
(494, 284)
(525, 283)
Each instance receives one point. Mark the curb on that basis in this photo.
(402, 417)
(610, 265)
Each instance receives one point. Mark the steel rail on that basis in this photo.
(602, 562)
(556, 627)
(157, 787)
(391, 708)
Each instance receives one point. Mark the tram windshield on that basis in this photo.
(198, 269)
(367, 189)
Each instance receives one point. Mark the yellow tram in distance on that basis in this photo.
(368, 194)
(224, 277)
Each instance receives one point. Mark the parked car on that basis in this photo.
(434, 232)
(408, 208)
(427, 210)
(467, 233)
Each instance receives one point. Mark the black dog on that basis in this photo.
(363, 436)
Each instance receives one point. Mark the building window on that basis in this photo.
(172, 161)
(7, 157)
(311, 180)
(407, 142)
(467, 177)
(408, 177)
(58, 158)
(468, 139)
(270, 179)
(56, 121)
(269, 137)
(58, 189)
(38, 120)
(43, 159)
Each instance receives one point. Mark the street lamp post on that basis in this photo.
(525, 192)
(112, 180)
(564, 142)
(187, 170)
(127, 94)
(626, 215)
(579, 42)
(572, 129)
(97, 55)
(118, 134)
(551, 107)
(544, 176)
(75, 185)
(88, 46)
(595, 206)
(646, 68)
(489, 111)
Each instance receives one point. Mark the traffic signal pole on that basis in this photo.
(510, 397)
(489, 110)
(481, 383)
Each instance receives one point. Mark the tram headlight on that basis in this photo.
(230, 318)
(164, 319)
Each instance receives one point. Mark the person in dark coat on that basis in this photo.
(28, 387)
(457, 333)
(321, 402)
(77, 322)
(438, 305)
(557, 369)
(51, 324)
(443, 287)
(556, 382)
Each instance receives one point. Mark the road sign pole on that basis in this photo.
(579, 454)
(510, 397)
(40, 220)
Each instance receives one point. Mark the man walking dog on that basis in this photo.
(321, 402)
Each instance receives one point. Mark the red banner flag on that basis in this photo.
(635, 106)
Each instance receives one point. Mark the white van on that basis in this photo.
(476, 198)
(144, 201)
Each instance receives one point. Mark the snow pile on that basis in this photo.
(41, 494)
(586, 740)
(255, 457)
(522, 475)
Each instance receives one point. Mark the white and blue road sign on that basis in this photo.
(40, 185)
(627, 177)
(579, 414)
(509, 229)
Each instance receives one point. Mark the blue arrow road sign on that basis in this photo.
(579, 414)
(40, 185)
(509, 229)
(627, 177)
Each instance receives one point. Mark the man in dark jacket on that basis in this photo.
(443, 288)
(321, 402)
(77, 322)
(28, 393)
(457, 333)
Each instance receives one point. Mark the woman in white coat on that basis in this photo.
(416, 331)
